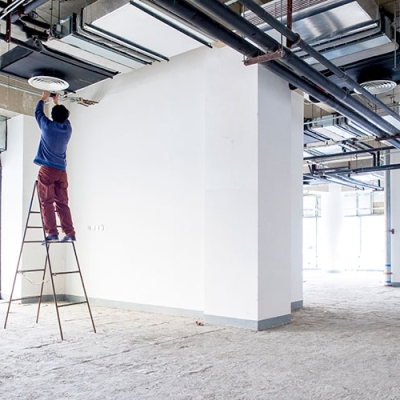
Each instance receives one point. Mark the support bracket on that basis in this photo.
(265, 57)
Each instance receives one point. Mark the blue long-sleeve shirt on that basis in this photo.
(52, 151)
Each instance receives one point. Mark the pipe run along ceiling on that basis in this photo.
(121, 36)
(108, 36)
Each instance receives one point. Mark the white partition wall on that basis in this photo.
(136, 167)
(185, 191)
(249, 168)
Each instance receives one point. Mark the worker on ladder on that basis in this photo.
(52, 178)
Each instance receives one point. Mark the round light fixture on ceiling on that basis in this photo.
(379, 86)
(48, 83)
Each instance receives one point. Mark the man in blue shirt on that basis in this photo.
(52, 179)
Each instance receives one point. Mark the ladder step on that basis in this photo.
(33, 241)
(65, 272)
(30, 270)
(59, 242)
(26, 298)
(34, 212)
(71, 304)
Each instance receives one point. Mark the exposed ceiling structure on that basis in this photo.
(341, 54)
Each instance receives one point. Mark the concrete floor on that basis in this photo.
(344, 344)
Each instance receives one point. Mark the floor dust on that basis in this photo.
(344, 344)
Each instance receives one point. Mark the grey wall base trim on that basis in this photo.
(296, 305)
(247, 323)
(136, 306)
(212, 319)
(46, 298)
(396, 284)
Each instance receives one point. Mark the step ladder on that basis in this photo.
(47, 265)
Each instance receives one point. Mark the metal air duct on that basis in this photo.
(32, 59)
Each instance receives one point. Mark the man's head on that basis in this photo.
(59, 113)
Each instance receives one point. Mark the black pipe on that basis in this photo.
(208, 25)
(295, 38)
(342, 95)
(215, 29)
(257, 36)
(34, 47)
(32, 21)
(328, 99)
(30, 32)
(169, 23)
(346, 153)
(359, 183)
(378, 168)
(361, 170)
(33, 5)
(335, 179)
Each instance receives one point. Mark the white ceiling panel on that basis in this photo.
(139, 27)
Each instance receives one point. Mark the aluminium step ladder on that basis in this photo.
(47, 265)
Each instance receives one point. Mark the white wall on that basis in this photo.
(19, 175)
(296, 196)
(231, 208)
(395, 224)
(136, 169)
(275, 177)
(12, 204)
(179, 189)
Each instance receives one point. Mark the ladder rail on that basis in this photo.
(41, 290)
(83, 286)
(47, 265)
(20, 254)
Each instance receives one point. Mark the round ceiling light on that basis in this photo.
(48, 83)
(379, 86)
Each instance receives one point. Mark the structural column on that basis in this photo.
(331, 232)
(249, 170)
(296, 200)
(395, 216)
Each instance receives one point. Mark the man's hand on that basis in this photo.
(45, 96)
(55, 99)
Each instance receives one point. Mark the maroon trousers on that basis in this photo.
(52, 189)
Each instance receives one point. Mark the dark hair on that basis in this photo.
(59, 113)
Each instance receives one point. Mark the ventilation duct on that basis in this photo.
(343, 31)
(120, 35)
(105, 38)
(335, 128)
(379, 86)
(28, 60)
(48, 83)
(112, 51)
